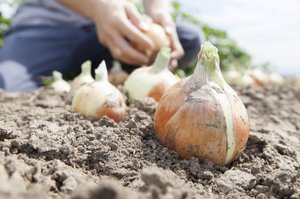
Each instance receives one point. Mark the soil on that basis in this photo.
(47, 151)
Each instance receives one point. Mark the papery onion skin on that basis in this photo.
(151, 81)
(205, 119)
(160, 39)
(84, 77)
(59, 84)
(117, 76)
(98, 99)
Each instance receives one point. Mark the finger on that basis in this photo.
(173, 64)
(127, 52)
(135, 35)
(177, 50)
(176, 46)
(117, 54)
(135, 17)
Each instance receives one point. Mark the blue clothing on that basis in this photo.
(47, 12)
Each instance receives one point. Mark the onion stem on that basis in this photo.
(101, 73)
(208, 68)
(162, 60)
(57, 75)
(86, 68)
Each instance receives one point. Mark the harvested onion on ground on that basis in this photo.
(151, 81)
(117, 76)
(247, 81)
(232, 77)
(202, 116)
(100, 98)
(260, 77)
(59, 83)
(275, 79)
(84, 77)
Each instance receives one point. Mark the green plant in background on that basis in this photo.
(4, 25)
(231, 55)
(4, 21)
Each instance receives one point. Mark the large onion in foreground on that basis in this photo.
(202, 116)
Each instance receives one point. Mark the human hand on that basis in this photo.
(119, 25)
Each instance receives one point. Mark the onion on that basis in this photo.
(275, 79)
(259, 76)
(84, 77)
(151, 81)
(59, 83)
(233, 77)
(247, 81)
(100, 98)
(159, 37)
(202, 116)
(117, 76)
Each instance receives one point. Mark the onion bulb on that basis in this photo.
(84, 77)
(158, 36)
(117, 76)
(232, 77)
(100, 98)
(59, 83)
(151, 81)
(259, 76)
(247, 81)
(202, 116)
(275, 79)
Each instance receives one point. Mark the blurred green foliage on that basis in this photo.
(4, 25)
(231, 55)
(5, 22)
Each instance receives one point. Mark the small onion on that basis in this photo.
(84, 77)
(202, 116)
(247, 81)
(259, 76)
(100, 98)
(117, 76)
(59, 83)
(151, 81)
(275, 79)
(232, 77)
(159, 37)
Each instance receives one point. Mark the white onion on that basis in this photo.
(151, 81)
(59, 83)
(84, 77)
(100, 98)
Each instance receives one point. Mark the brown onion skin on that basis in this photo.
(164, 42)
(241, 125)
(113, 110)
(118, 78)
(114, 105)
(158, 90)
(166, 110)
(195, 125)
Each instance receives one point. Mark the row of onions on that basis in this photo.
(253, 78)
(200, 115)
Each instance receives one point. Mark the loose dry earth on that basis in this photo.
(47, 151)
